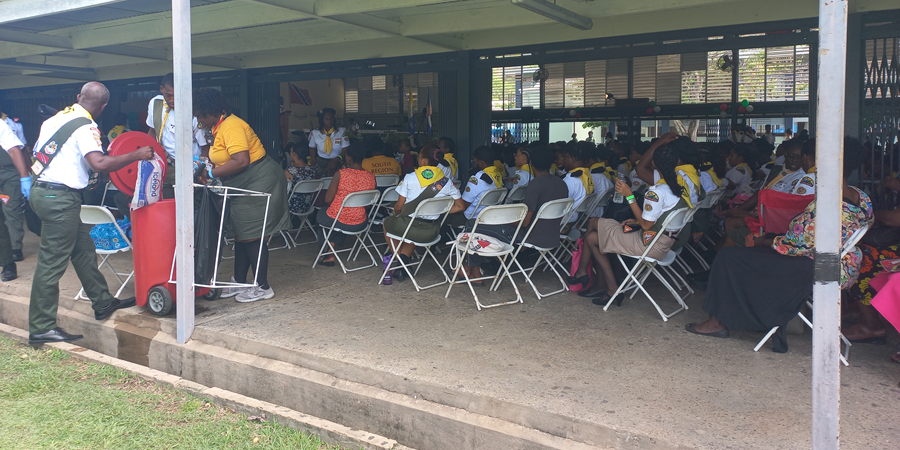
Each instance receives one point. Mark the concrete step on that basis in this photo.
(413, 414)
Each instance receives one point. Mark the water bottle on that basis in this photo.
(617, 197)
(387, 280)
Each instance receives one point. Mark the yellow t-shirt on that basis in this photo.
(382, 165)
(232, 136)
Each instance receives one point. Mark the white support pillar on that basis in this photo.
(826, 375)
(184, 145)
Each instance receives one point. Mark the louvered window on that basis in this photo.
(779, 74)
(554, 87)
(595, 83)
(801, 73)
(668, 79)
(718, 81)
(373, 95)
(514, 87)
(617, 77)
(693, 77)
(752, 82)
(645, 77)
(351, 95)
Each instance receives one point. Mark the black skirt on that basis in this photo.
(757, 288)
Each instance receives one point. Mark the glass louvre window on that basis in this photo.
(752, 81)
(513, 87)
(693, 77)
(801, 73)
(779, 74)
(718, 82)
(668, 79)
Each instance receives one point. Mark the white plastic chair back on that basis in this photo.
(554, 209)
(501, 214)
(605, 197)
(585, 204)
(390, 196)
(386, 180)
(676, 219)
(96, 215)
(492, 197)
(516, 195)
(457, 183)
(434, 206)
(326, 182)
(307, 187)
(361, 199)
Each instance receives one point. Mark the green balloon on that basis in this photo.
(745, 103)
(652, 103)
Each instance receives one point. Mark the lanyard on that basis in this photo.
(163, 126)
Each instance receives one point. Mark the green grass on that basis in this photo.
(51, 401)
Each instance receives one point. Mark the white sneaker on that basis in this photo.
(231, 291)
(255, 293)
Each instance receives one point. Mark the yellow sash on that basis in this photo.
(685, 190)
(496, 174)
(586, 180)
(116, 131)
(428, 175)
(779, 177)
(811, 170)
(502, 167)
(715, 177)
(608, 171)
(327, 148)
(77, 109)
(2, 117)
(454, 165)
(527, 168)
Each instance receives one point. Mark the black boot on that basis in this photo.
(9, 272)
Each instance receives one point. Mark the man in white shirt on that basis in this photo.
(68, 148)
(14, 125)
(16, 184)
(161, 120)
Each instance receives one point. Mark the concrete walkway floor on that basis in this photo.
(560, 357)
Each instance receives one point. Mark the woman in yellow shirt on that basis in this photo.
(240, 162)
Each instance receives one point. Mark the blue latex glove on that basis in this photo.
(26, 186)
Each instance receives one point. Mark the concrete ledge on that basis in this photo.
(330, 432)
(275, 381)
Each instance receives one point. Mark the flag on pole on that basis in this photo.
(412, 114)
(300, 96)
(428, 112)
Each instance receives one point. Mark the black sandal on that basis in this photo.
(585, 293)
(602, 301)
(723, 333)
(582, 280)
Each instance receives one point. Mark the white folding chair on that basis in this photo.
(360, 199)
(490, 197)
(709, 202)
(109, 187)
(305, 187)
(491, 215)
(386, 180)
(388, 198)
(516, 195)
(849, 246)
(96, 215)
(552, 210)
(583, 210)
(646, 265)
(438, 206)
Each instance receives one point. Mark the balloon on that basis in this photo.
(577, 115)
(745, 102)
(723, 115)
(657, 109)
(723, 107)
(652, 103)
(577, 109)
(649, 110)
(742, 109)
(749, 108)
(572, 112)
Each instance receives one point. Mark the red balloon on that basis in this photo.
(577, 115)
(649, 110)
(742, 109)
(723, 107)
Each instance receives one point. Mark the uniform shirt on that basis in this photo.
(739, 179)
(707, 182)
(601, 185)
(806, 185)
(789, 182)
(448, 172)
(338, 142)
(69, 167)
(636, 181)
(232, 136)
(168, 131)
(8, 138)
(475, 189)
(382, 165)
(692, 190)
(521, 178)
(576, 192)
(16, 128)
(658, 199)
(410, 189)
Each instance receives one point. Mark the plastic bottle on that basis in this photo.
(617, 197)
(388, 279)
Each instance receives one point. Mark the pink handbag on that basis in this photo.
(576, 259)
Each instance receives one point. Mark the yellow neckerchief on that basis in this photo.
(527, 168)
(499, 165)
(427, 175)
(628, 164)
(586, 179)
(327, 133)
(2, 117)
(715, 177)
(553, 169)
(779, 177)
(116, 131)
(495, 174)
(164, 120)
(608, 171)
(811, 170)
(693, 175)
(77, 109)
(454, 165)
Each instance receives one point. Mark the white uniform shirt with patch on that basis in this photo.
(448, 171)
(788, 182)
(695, 194)
(473, 192)
(601, 185)
(69, 167)
(806, 185)
(521, 178)
(576, 192)
(707, 182)
(658, 200)
(8, 138)
(338, 142)
(636, 181)
(739, 180)
(168, 131)
(17, 129)
(410, 189)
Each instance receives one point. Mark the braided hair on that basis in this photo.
(665, 160)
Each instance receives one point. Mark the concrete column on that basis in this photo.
(463, 148)
(855, 63)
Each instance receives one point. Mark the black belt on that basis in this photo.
(230, 177)
(56, 186)
(671, 234)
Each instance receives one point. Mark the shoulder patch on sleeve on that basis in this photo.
(651, 196)
(486, 178)
(741, 169)
(801, 190)
(648, 207)
(807, 181)
(473, 181)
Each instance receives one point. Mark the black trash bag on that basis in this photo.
(32, 221)
(206, 234)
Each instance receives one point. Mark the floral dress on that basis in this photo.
(869, 267)
(300, 202)
(800, 237)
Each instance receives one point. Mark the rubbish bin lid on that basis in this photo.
(126, 177)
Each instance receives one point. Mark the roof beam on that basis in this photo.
(335, 7)
(46, 40)
(16, 10)
(45, 67)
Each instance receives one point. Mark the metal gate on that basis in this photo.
(880, 117)
(264, 116)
